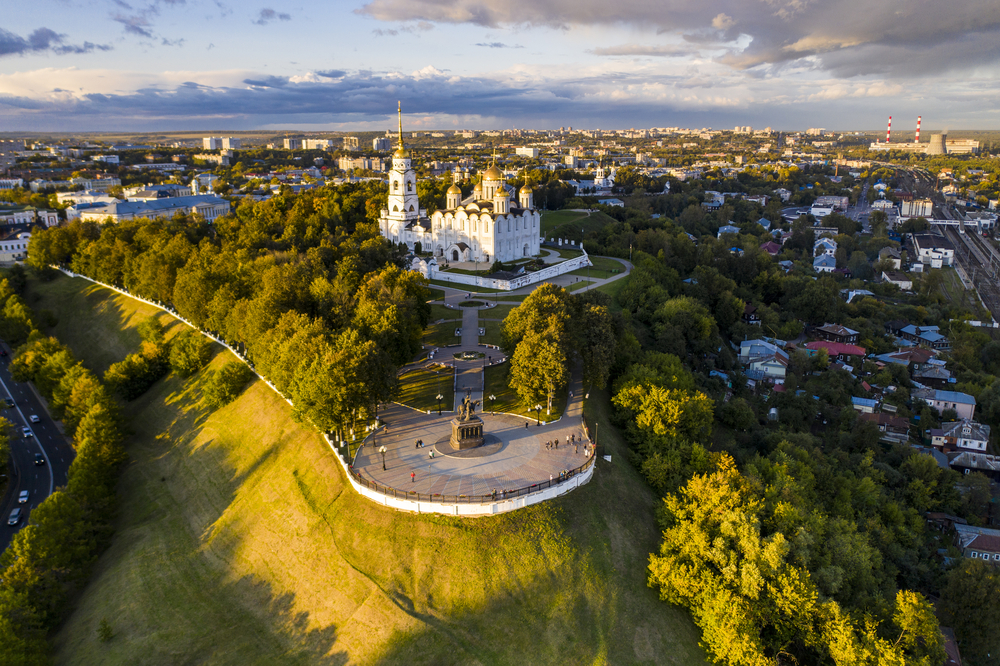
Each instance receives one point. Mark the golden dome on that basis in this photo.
(400, 153)
(493, 173)
(478, 188)
(526, 190)
(501, 192)
(454, 189)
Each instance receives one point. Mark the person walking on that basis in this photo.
(413, 477)
(557, 443)
(576, 449)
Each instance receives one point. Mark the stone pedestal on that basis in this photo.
(466, 433)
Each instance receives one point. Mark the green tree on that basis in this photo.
(189, 352)
(969, 605)
(226, 384)
(538, 369)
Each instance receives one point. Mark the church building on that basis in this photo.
(485, 227)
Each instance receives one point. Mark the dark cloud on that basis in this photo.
(364, 97)
(837, 35)
(268, 82)
(331, 73)
(268, 15)
(172, 42)
(499, 45)
(42, 40)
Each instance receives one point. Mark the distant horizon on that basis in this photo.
(181, 65)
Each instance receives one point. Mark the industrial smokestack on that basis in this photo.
(916, 139)
(888, 131)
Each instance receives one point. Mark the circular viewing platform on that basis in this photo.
(512, 468)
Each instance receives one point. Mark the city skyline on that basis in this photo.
(184, 65)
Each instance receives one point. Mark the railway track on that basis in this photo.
(982, 263)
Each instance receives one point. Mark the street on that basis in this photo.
(38, 480)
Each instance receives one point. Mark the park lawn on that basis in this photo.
(238, 541)
(436, 294)
(576, 286)
(603, 267)
(498, 312)
(442, 335)
(439, 311)
(466, 287)
(556, 218)
(566, 253)
(612, 289)
(419, 389)
(492, 335)
(573, 230)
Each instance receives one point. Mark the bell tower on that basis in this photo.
(403, 203)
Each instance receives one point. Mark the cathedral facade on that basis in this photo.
(485, 227)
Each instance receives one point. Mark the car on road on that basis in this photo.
(26, 431)
(39, 459)
(34, 418)
(23, 497)
(15, 517)
(8, 403)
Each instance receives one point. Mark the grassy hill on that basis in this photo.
(239, 542)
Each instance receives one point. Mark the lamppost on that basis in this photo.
(538, 415)
(381, 450)
(492, 400)
(587, 288)
(439, 399)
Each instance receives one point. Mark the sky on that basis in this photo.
(334, 65)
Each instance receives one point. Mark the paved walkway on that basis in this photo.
(521, 461)
(455, 295)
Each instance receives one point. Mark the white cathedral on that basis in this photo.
(484, 227)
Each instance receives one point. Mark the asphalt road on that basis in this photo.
(38, 480)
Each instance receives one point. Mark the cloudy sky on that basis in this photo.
(342, 64)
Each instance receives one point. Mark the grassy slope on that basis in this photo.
(239, 542)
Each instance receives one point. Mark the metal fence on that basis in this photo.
(471, 499)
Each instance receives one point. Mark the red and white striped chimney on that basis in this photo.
(916, 139)
(888, 131)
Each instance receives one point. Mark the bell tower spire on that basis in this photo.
(399, 108)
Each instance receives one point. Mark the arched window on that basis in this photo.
(517, 225)
(409, 187)
(508, 227)
(411, 208)
(395, 185)
(395, 209)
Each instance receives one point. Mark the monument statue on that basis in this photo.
(467, 410)
(467, 428)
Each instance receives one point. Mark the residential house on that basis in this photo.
(771, 248)
(933, 250)
(901, 280)
(824, 263)
(967, 462)
(963, 403)
(925, 336)
(891, 254)
(750, 315)
(893, 428)
(964, 435)
(825, 246)
(835, 350)
(837, 333)
(980, 543)
(914, 356)
(728, 229)
(935, 376)
(864, 405)
(763, 359)
(783, 194)
(764, 222)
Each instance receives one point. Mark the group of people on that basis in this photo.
(571, 440)
(419, 444)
